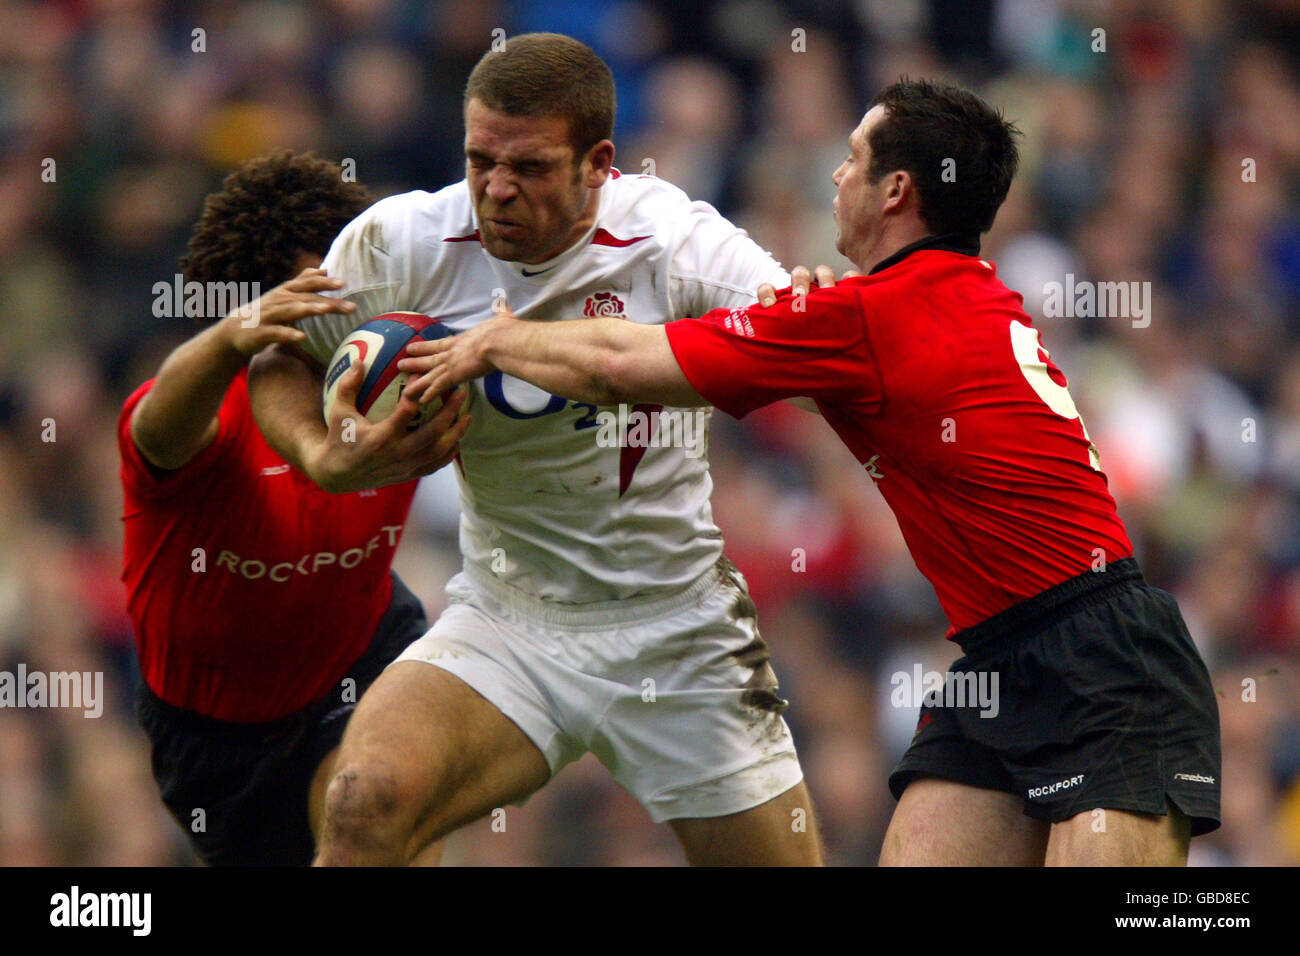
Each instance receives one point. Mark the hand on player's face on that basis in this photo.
(802, 281)
(361, 454)
(265, 321)
(447, 362)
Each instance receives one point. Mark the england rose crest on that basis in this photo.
(603, 304)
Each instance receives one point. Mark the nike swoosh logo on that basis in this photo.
(528, 275)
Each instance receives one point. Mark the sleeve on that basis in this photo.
(743, 359)
(144, 480)
(363, 257)
(715, 265)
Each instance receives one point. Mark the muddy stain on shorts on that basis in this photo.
(760, 690)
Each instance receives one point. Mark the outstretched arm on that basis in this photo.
(601, 361)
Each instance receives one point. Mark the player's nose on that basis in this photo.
(501, 187)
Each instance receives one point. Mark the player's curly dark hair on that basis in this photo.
(267, 212)
(960, 151)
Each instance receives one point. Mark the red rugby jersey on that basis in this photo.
(295, 579)
(932, 374)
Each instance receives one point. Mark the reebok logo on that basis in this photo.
(1194, 777)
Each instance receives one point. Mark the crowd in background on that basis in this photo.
(1162, 146)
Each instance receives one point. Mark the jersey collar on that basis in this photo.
(947, 242)
(542, 271)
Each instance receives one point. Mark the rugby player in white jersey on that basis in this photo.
(595, 611)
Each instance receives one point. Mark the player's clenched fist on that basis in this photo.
(266, 321)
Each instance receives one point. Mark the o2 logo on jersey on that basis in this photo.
(526, 401)
(1034, 365)
(521, 401)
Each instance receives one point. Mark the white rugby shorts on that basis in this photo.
(673, 694)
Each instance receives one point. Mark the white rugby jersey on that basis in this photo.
(546, 505)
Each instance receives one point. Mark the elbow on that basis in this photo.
(159, 455)
(264, 363)
(164, 451)
(610, 380)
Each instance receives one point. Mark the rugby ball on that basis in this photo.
(377, 346)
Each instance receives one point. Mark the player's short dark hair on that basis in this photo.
(926, 124)
(548, 74)
(267, 212)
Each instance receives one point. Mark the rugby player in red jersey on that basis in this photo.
(262, 606)
(930, 371)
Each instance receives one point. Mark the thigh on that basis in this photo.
(945, 823)
(402, 624)
(449, 755)
(1121, 838)
(957, 805)
(780, 832)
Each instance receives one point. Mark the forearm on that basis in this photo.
(601, 361)
(285, 393)
(178, 417)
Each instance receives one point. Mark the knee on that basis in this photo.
(369, 810)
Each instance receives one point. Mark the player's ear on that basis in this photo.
(899, 188)
(597, 164)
